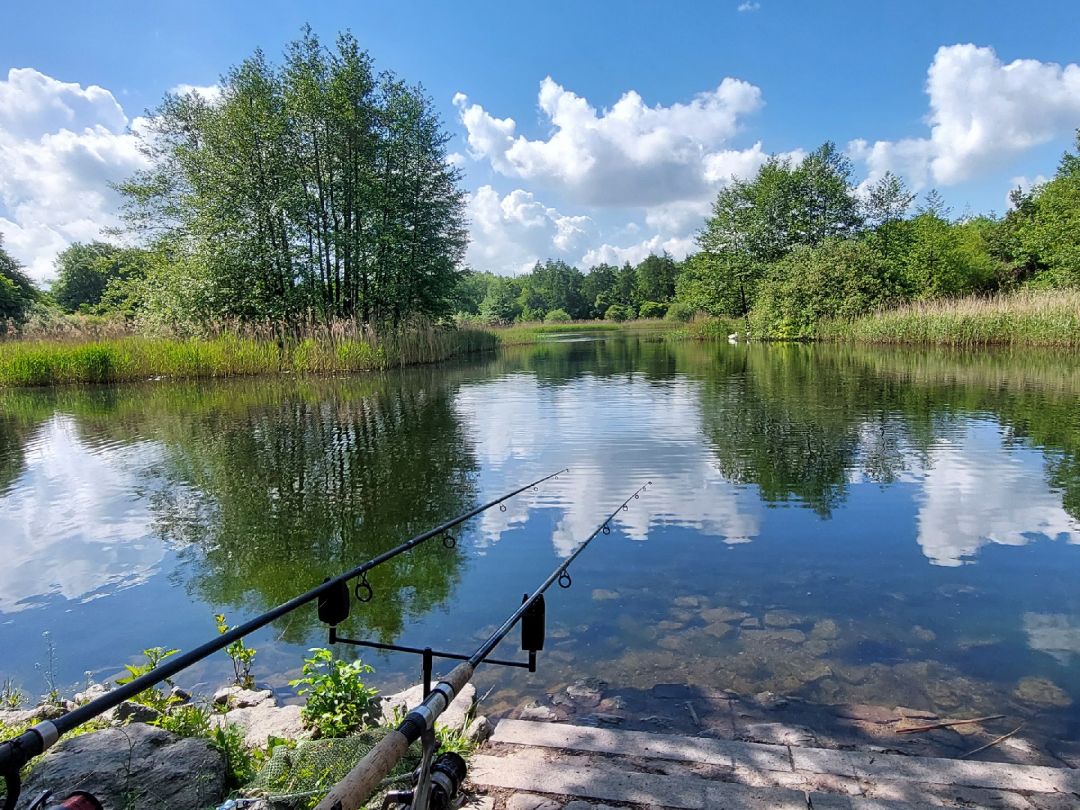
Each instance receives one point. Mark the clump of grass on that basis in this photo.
(1026, 318)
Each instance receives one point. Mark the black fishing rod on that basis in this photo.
(15, 753)
(435, 786)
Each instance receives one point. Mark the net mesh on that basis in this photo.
(298, 777)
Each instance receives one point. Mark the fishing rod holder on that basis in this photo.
(335, 607)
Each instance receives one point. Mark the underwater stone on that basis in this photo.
(604, 595)
(719, 630)
(723, 614)
(923, 634)
(782, 618)
(1043, 692)
(826, 630)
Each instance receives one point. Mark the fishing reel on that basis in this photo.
(79, 800)
(446, 775)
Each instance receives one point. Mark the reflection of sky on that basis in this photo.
(977, 491)
(614, 434)
(71, 525)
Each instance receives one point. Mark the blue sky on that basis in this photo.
(713, 90)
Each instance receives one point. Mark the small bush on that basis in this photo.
(557, 316)
(618, 313)
(652, 309)
(152, 697)
(338, 702)
(678, 312)
(241, 655)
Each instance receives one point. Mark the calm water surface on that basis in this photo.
(840, 525)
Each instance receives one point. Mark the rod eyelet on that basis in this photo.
(448, 540)
(363, 591)
(564, 579)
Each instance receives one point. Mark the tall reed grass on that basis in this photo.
(39, 362)
(1026, 318)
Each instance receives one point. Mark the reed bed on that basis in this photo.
(1026, 318)
(709, 330)
(521, 334)
(40, 362)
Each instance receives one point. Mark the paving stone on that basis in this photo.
(939, 771)
(542, 772)
(823, 760)
(622, 743)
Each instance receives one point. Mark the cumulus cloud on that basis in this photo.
(677, 246)
(629, 155)
(746, 7)
(513, 232)
(209, 92)
(982, 112)
(61, 144)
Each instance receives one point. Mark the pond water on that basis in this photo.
(841, 525)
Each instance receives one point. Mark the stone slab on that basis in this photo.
(705, 750)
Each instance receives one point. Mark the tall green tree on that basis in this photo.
(313, 188)
(655, 278)
(84, 270)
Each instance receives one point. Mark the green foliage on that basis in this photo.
(557, 316)
(84, 270)
(242, 656)
(652, 309)
(500, 305)
(241, 764)
(841, 279)
(188, 720)
(11, 696)
(151, 697)
(17, 292)
(679, 312)
(618, 313)
(338, 702)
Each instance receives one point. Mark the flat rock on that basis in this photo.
(531, 801)
(237, 697)
(264, 721)
(604, 595)
(778, 734)
(456, 715)
(129, 712)
(544, 714)
(825, 630)
(133, 766)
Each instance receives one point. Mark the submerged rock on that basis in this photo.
(1042, 692)
(604, 595)
(825, 630)
(719, 630)
(782, 618)
(544, 714)
(133, 766)
(923, 634)
(723, 614)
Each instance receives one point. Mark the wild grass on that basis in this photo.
(1026, 318)
(41, 362)
(709, 329)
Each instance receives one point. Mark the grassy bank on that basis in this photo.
(1031, 318)
(58, 362)
(710, 329)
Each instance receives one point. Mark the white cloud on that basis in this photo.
(982, 112)
(1024, 184)
(627, 156)
(61, 144)
(512, 233)
(677, 246)
(748, 6)
(209, 92)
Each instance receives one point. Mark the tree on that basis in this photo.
(596, 288)
(887, 203)
(655, 278)
(84, 270)
(1050, 228)
(944, 258)
(310, 189)
(17, 291)
(500, 304)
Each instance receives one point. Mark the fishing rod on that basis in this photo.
(16, 752)
(436, 784)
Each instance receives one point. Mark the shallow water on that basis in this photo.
(875, 526)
